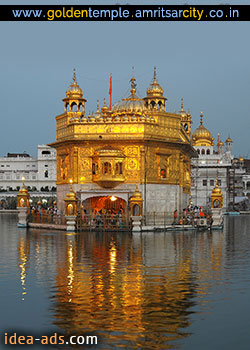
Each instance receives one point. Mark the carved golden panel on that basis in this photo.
(131, 151)
(132, 163)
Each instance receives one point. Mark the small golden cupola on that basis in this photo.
(229, 144)
(70, 202)
(104, 108)
(136, 203)
(201, 136)
(155, 99)
(133, 105)
(216, 197)
(23, 196)
(185, 119)
(74, 101)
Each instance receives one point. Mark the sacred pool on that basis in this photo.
(174, 290)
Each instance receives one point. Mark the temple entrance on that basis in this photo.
(106, 213)
(104, 204)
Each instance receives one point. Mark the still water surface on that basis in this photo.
(181, 290)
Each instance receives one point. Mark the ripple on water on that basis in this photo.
(146, 292)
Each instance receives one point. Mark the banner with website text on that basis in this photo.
(125, 13)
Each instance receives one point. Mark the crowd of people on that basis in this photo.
(107, 219)
(40, 213)
(190, 216)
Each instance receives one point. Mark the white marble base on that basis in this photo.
(136, 223)
(217, 216)
(202, 222)
(22, 217)
(71, 223)
(159, 197)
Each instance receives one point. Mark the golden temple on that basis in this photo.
(135, 142)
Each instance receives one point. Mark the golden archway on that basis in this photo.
(104, 204)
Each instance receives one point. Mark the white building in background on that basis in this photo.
(211, 165)
(39, 173)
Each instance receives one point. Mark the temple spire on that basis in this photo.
(74, 76)
(133, 86)
(201, 121)
(155, 80)
(182, 109)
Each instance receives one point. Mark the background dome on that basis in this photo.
(201, 136)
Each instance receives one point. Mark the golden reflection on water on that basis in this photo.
(23, 254)
(135, 292)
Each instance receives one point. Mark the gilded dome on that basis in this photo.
(23, 190)
(132, 104)
(201, 136)
(105, 108)
(136, 195)
(221, 143)
(181, 111)
(74, 89)
(155, 88)
(229, 139)
(129, 106)
(216, 189)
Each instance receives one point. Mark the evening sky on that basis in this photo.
(208, 64)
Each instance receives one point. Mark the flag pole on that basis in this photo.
(110, 91)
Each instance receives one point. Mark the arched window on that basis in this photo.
(70, 209)
(159, 105)
(107, 168)
(80, 107)
(202, 151)
(93, 169)
(118, 168)
(45, 152)
(136, 210)
(208, 151)
(46, 173)
(152, 104)
(198, 151)
(67, 107)
(73, 107)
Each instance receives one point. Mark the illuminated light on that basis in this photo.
(113, 198)
(23, 178)
(71, 181)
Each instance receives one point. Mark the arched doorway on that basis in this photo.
(104, 204)
(104, 213)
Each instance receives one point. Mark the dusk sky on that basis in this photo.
(208, 64)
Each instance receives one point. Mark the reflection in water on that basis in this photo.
(135, 292)
(23, 252)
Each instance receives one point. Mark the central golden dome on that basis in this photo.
(201, 136)
(132, 104)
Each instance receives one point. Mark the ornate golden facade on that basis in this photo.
(136, 142)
